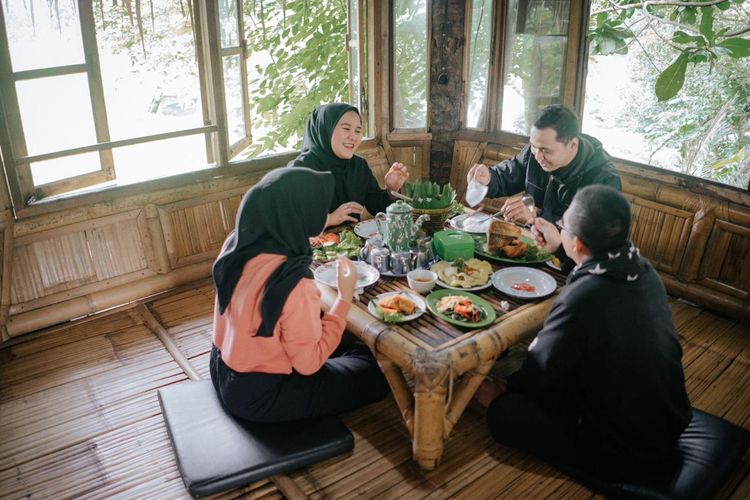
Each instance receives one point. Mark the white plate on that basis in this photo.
(419, 301)
(504, 279)
(477, 222)
(366, 274)
(475, 192)
(472, 289)
(366, 229)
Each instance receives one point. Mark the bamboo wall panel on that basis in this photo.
(727, 263)
(376, 160)
(117, 249)
(465, 154)
(414, 154)
(45, 267)
(195, 230)
(661, 232)
(57, 261)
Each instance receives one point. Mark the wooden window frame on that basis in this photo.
(571, 78)
(17, 161)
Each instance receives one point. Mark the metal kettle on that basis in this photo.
(397, 226)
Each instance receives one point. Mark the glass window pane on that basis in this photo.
(49, 109)
(151, 86)
(479, 62)
(228, 23)
(233, 94)
(42, 34)
(534, 60)
(44, 172)
(410, 46)
(158, 159)
(701, 131)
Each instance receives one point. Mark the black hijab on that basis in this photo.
(316, 152)
(354, 180)
(277, 216)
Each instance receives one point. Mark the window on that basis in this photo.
(479, 45)
(534, 70)
(105, 93)
(665, 84)
(703, 130)
(529, 54)
(410, 64)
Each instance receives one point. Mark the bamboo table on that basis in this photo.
(446, 363)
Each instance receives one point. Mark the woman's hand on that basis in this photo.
(343, 213)
(546, 234)
(396, 176)
(480, 173)
(346, 278)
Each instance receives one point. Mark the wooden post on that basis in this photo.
(158, 244)
(6, 247)
(463, 394)
(400, 389)
(431, 370)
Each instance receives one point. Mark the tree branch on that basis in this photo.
(658, 4)
(738, 32)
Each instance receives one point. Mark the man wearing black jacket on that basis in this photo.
(602, 387)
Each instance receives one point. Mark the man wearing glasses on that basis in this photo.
(602, 388)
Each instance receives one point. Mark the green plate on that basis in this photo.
(434, 298)
(541, 255)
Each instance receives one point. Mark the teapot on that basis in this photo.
(397, 227)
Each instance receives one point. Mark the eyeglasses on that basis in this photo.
(561, 228)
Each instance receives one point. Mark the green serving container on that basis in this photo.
(452, 245)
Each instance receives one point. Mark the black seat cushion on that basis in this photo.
(216, 452)
(709, 449)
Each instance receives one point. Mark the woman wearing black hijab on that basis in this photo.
(332, 135)
(270, 358)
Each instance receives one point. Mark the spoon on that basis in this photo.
(476, 220)
(528, 202)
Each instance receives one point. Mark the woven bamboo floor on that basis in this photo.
(79, 417)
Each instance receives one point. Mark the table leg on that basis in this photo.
(464, 392)
(431, 372)
(400, 389)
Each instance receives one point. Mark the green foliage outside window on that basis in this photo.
(692, 66)
(297, 60)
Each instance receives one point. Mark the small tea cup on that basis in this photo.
(421, 280)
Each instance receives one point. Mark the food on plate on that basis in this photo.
(398, 303)
(555, 261)
(460, 308)
(464, 274)
(325, 238)
(328, 246)
(500, 234)
(504, 237)
(523, 287)
(392, 309)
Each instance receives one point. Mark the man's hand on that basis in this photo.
(515, 210)
(342, 214)
(546, 234)
(479, 173)
(396, 176)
